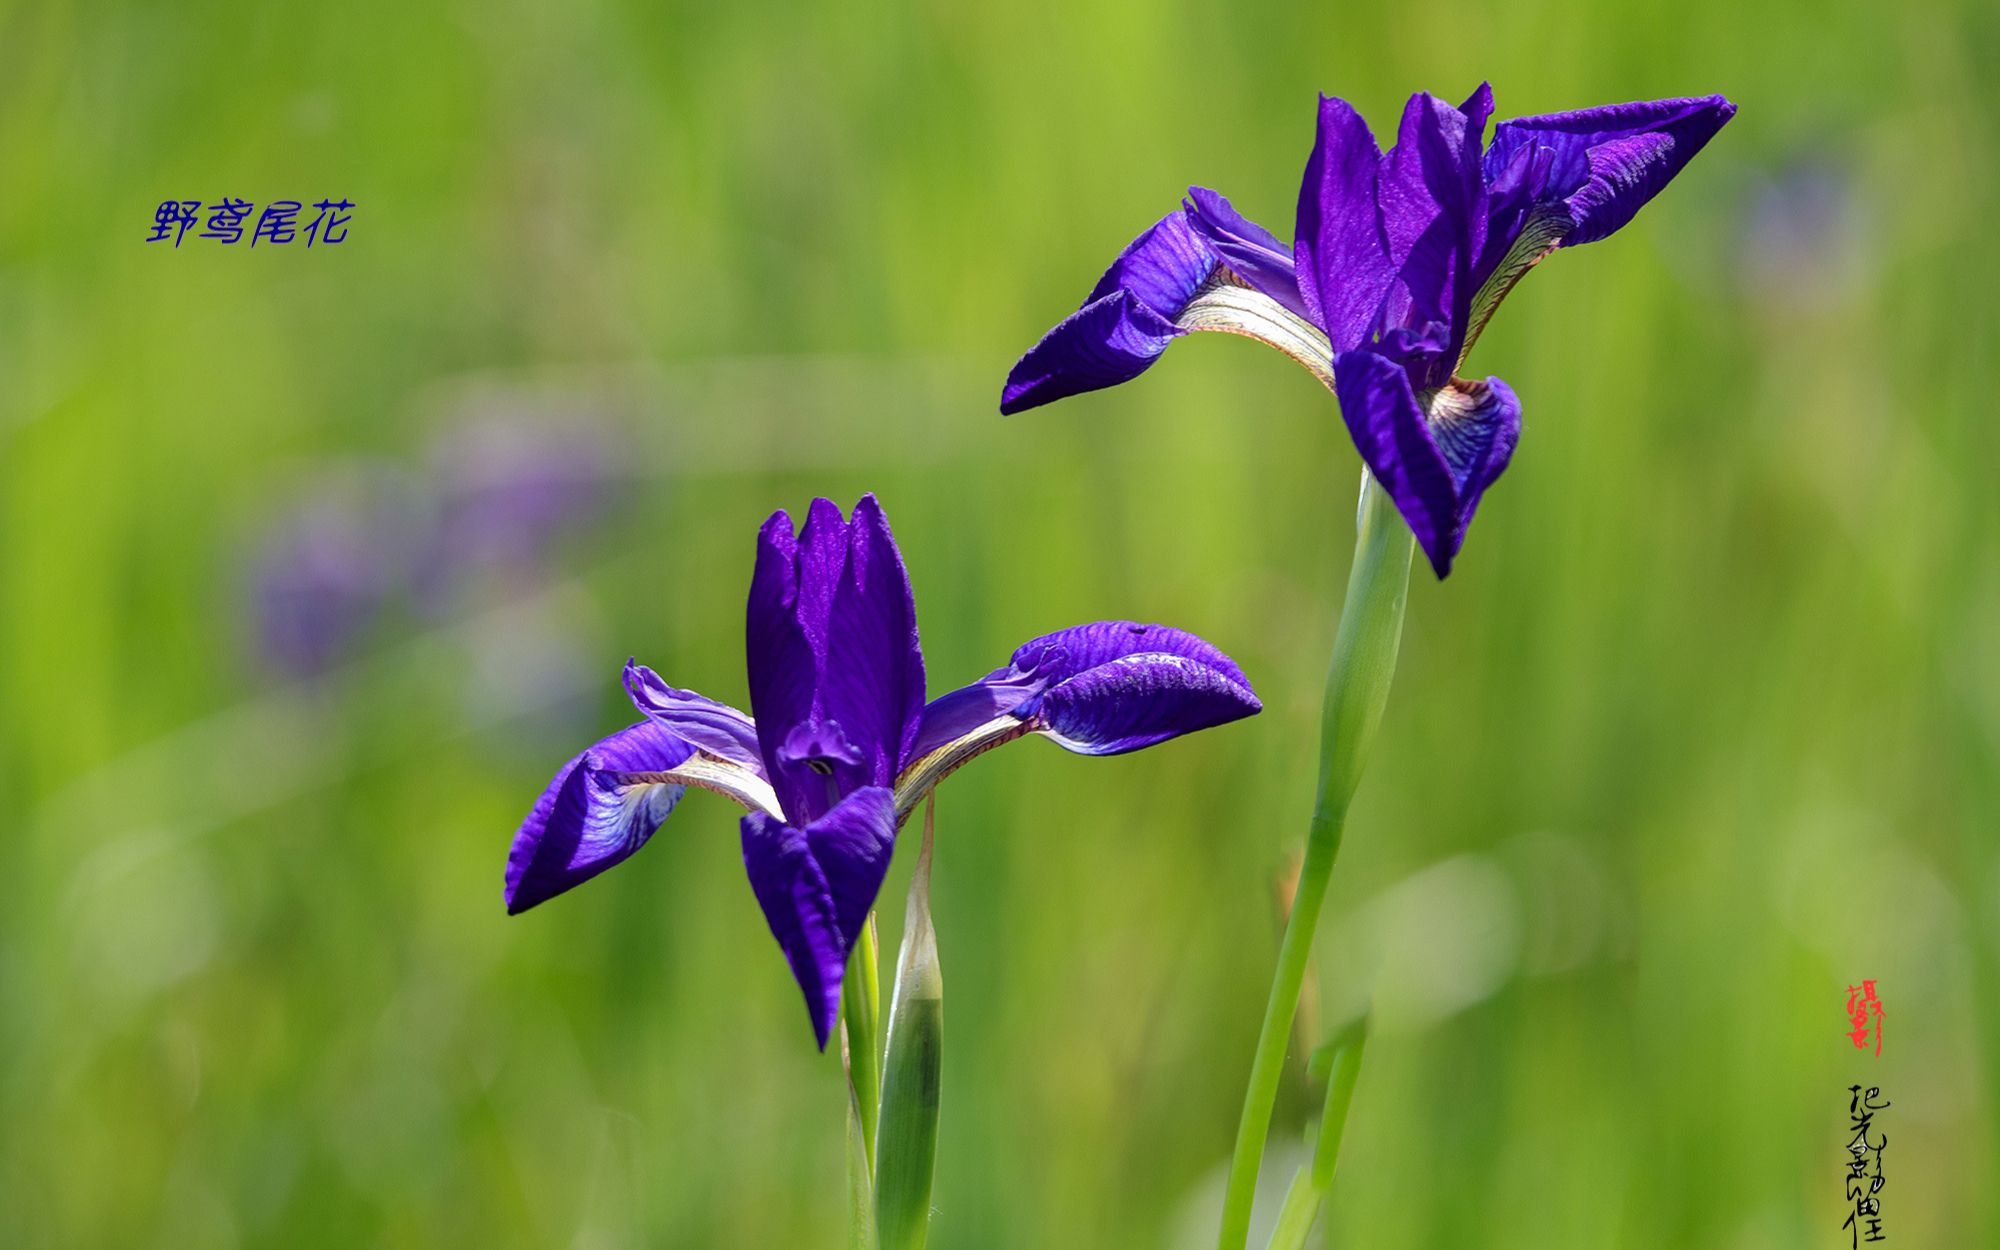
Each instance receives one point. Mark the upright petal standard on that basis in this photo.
(1398, 260)
(842, 746)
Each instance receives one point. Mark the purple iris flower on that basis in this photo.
(842, 746)
(1399, 259)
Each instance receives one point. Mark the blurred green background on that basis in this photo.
(315, 563)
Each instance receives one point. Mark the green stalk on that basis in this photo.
(1357, 689)
(1311, 1184)
(861, 1055)
(861, 1015)
(906, 1151)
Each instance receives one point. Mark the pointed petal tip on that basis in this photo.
(511, 896)
(1200, 197)
(825, 512)
(1109, 341)
(1338, 104)
(778, 532)
(1478, 108)
(1715, 104)
(1029, 387)
(1014, 393)
(868, 514)
(823, 1019)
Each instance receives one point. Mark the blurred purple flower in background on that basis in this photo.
(323, 572)
(507, 485)
(1806, 235)
(511, 488)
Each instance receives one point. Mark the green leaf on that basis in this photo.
(1340, 1059)
(860, 1038)
(1295, 1218)
(906, 1136)
(860, 1186)
(1339, 1097)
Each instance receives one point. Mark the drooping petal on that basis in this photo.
(852, 844)
(1098, 689)
(1116, 686)
(1606, 162)
(1340, 257)
(1251, 252)
(714, 727)
(792, 890)
(1124, 325)
(594, 814)
(1105, 343)
(1067, 653)
(1434, 469)
(1475, 425)
(1388, 430)
(816, 885)
(1139, 700)
(874, 680)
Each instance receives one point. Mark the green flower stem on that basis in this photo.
(906, 1154)
(861, 1055)
(861, 1015)
(1357, 689)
